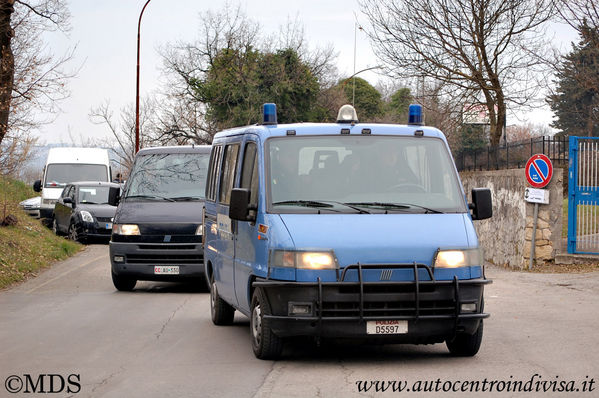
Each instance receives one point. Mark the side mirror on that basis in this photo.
(68, 199)
(114, 196)
(239, 208)
(482, 204)
(37, 186)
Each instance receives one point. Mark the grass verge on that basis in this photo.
(27, 247)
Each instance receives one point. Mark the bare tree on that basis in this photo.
(579, 13)
(122, 129)
(31, 78)
(483, 51)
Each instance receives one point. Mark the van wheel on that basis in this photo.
(265, 343)
(466, 345)
(122, 283)
(222, 313)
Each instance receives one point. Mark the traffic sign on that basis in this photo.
(539, 170)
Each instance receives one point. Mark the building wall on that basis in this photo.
(506, 237)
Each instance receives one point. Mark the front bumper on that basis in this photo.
(140, 259)
(341, 309)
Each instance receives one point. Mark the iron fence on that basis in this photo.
(514, 154)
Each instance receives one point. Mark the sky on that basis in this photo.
(105, 35)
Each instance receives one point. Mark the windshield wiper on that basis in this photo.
(305, 203)
(149, 197)
(397, 206)
(88, 203)
(185, 198)
(361, 211)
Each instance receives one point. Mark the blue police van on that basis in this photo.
(343, 230)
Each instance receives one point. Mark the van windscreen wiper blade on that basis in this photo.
(149, 197)
(305, 203)
(397, 206)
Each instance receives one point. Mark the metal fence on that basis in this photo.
(514, 154)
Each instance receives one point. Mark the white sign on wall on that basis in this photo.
(535, 195)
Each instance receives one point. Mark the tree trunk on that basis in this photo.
(7, 64)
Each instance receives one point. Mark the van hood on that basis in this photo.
(142, 212)
(379, 238)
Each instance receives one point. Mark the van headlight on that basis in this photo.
(458, 258)
(125, 229)
(304, 259)
(200, 230)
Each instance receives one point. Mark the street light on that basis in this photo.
(137, 85)
(356, 27)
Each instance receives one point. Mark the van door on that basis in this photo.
(247, 245)
(223, 269)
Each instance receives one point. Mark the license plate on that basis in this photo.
(386, 327)
(108, 225)
(164, 270)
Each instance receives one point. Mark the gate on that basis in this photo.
(583, 195)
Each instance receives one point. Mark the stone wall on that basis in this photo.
(506, 237)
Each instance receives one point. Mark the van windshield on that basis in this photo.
(58, 175)
(168, 176)
(369, 174)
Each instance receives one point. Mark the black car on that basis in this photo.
(83, 211)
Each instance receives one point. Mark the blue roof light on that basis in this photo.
(269, 113)
(415, 115)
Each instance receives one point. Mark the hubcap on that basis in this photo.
(257, 324)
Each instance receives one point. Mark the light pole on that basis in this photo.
(356, 27)
(137, 85)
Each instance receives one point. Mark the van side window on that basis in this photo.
(213, 172)
(249, 172)
(228, 173)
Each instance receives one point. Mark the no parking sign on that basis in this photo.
(539, 170)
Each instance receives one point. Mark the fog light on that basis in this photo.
(121, 259)
(468, 307)
(300, 309)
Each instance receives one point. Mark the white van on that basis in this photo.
(65, 165)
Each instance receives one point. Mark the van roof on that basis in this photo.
(77, 155)
(175, 149)
(305, 129)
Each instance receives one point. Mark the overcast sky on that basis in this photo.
(105, 34)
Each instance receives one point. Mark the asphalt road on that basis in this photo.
(158, 341)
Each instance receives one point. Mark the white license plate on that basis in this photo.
(108, 225)
(166, 270)
(386, 327)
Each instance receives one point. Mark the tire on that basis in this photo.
(122, 283)
(222, 313)
(55, 227)
(265, 343)
(466, 345)
(74, 235)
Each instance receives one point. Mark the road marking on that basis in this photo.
(65, 273)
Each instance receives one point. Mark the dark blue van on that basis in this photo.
(343, 230)
(157, 229)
